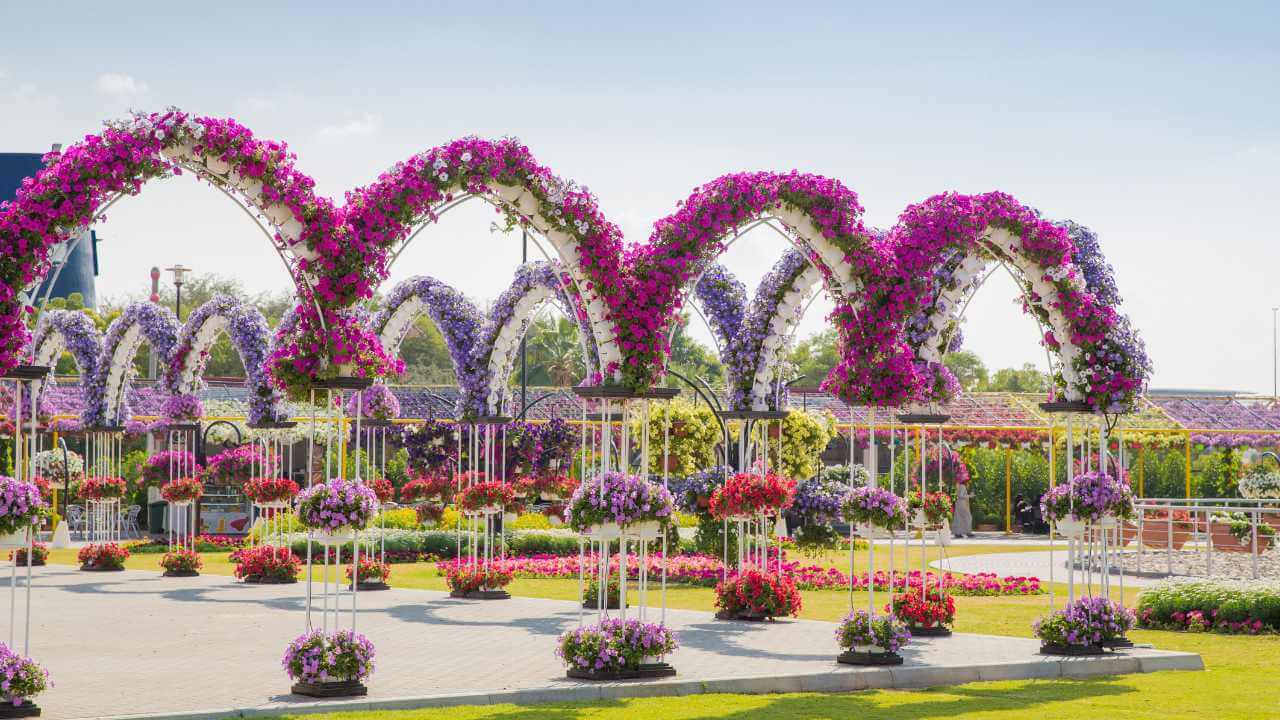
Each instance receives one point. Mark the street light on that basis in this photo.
(1275, 358)
(179, 273)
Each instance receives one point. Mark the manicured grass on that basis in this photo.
(1239, 683)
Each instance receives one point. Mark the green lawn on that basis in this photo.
(1240, 681)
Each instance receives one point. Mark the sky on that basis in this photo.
(1155, 124)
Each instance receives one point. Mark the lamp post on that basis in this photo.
(179, 274)
(1275, 358)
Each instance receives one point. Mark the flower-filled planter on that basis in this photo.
(611, 503)
(238, 465)
(1233, 532)
(373, 575)
(271, 492)
(486, 498)
(23, 679)
(329, 664)
(103, 489)
(39, 555)
(429, 513)
(549, 488)
(100, 557)
(182, 491)
(873, 508)
(383, 490)
(182, 409)
(181, 563)
(20, 506)
(376, 403)
(434, 487)
(618, 650)
(478, 582)
(432, 447)
(752, 495)
(336, 510)
(757, 595)
(871, 639)
(1090, 498)
(159, 467)
(1084, 627)
(929, 616)
(935, 511)
(1259, 481)
(267, 565)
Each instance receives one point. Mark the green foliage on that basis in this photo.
(531, 521)
(1234, 601)
(1024, 379)
(804, 436)
(554, 353)
(814, 357)
(398, 519)
(968, 368)
(694, 435)
(691, 358)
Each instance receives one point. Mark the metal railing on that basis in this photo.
(1171, 524)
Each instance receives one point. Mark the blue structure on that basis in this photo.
(81, 267)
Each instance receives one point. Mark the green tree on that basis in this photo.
(968, 368)
(1024, 379)
(814, 357)
(554, 353)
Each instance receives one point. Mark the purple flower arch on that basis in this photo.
(106, 399)
(534, 285)
(504, 173)
(940, 247)
(249, 334)
(66, 330)
(458, 320)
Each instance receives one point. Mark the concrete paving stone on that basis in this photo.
(133, 644)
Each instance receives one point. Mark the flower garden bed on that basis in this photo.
(1222, 606)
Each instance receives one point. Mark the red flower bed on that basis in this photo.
(468, 579)
(38, 557)
(758, 594)
(383, 489)
(486, 495)
(750, 494)
(263, 490)
(100, 556)
(268, 563)
(182, 561)
(934, 609)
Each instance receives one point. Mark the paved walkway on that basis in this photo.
(1035, 563)
(133, 642)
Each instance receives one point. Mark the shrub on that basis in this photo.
(398, 519)
(1087, 621)
(531, 521)
(1218, 605)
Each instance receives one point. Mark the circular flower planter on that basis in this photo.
(646, 671)
(868, 655)
(97, 568)
(180, 573)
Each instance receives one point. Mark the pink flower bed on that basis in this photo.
(707, 571)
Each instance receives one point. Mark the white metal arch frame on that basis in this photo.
(565, 253)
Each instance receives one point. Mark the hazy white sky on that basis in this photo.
(1155, 125)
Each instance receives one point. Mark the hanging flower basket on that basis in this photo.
(20, 506)
(268, 492)
(757, 595)
(161, 466)
(435, 487)
(871, 639)
(182, 491)
(1090, 498)
(612, 503)
(336, 510)
(383, 490)
(24, 679)
(1084, 627)
(103, 489)
(329, 664)
(935, 511)
(102, 557)
(618, 650)
(752, 495)
(486, 498)
(873, 508)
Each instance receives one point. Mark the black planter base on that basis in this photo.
(34, 563)
(181, 573)
(1072, 650)
(1118, 643)
(95, 568)
(744, 616)
(26, 709)
(366, 587)
(935, 631)
(260, 580)
(346, 688)
(613, 605)
(648, 671)
(850, 657)
(482, 595)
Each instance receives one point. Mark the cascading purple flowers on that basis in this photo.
(336, 505)
(860, 628)
(874, 506)
(106, 397)
(70, 330)
(1086, 621)
(1089, 497)
(183, 409)
(432, 447)
(21, 678)
(319, 657)
(20, 504)
(377, 402)
(615, 644)
(615, 497)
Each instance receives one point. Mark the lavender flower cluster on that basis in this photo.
(1086, 621)
(693, 493)
(317, 657)
(614, 497)
(182, 408)
(432, 446)
(861, 628)
(615, 644)
(159, 328)
(1089, 497)
(20, 503)
(21, 678)
(336, 504)
(873, 505)
(377, 402)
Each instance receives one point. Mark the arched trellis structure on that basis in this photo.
(459, 322)
(945, 246)
(250, 336)
(106, 398)
(503, 173)
(59, 331)
(753, 339)
(819, 216)
(534, 287)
